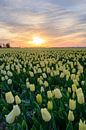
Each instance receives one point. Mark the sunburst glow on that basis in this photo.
(38, 41)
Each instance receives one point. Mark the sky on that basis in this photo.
(61, 23)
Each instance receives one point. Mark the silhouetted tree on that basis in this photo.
(0, 46)
(7, 45)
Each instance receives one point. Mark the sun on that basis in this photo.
(38, 41)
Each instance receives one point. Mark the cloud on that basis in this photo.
(56, 20)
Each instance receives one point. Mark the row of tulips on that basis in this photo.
(43, 89)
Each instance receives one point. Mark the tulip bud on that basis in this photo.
(27, 84)
(80, 98)
(17, 99)
(6, 77)
(31, 74)
(72, 104)
(40, 82)
(82, 125)
(39, 70)
(32, 87)
(24, 70)
(44, 75)
(49, 94)
(75, 81)
(82, 83)
(9, 73)
(62, 75)
(74, 88)
(45, 83)
(39, 98)
(70, 116)
(16, 110)
(10, 117)
(46, 116)
(67, 77)
(50, 105)
(79, 90)
(9, 81)
(73, 76)
(73, 95)
(69, 89)
(42, 89)
(57, 93)
(2, 78)
(9, 97)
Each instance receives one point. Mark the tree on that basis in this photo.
(7, 45)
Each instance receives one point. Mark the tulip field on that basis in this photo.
(43, 89)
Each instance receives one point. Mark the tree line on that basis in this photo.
(7, 45)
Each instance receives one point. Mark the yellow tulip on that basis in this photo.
(16, 110)
(72, 104)
(70, 116)
(9, 97)
(49, 94)
(32, 87)
(50, 105)
(10, 117)
(57, 93)
(46, 116)
(17, 99)
(39, 98)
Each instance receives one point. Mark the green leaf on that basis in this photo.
(33, 128)
(18, 126)
(69, 126)
(54, 123)
(41, 128)
(24, 125)
(36, 122)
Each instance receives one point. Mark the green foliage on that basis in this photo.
(36, 66)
